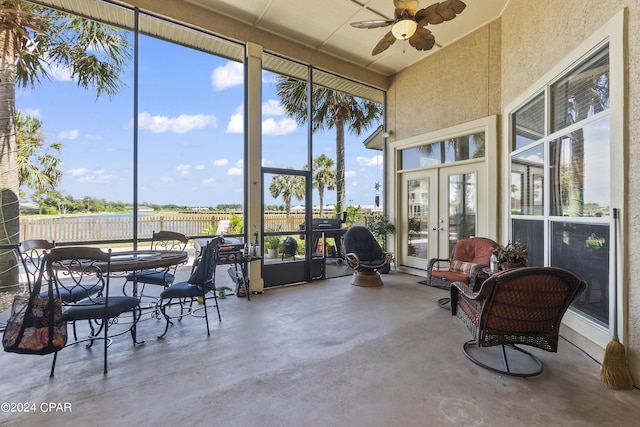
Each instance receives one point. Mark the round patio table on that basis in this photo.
(132, 261)
(144, 259)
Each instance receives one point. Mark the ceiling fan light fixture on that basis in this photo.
(404, 28)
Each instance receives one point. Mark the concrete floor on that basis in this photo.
(321, 354)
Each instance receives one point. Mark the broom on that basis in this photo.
(615, 372)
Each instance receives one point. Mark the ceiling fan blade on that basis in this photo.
(384, 44)
(376, 23)
(422, 39)
(438, 13)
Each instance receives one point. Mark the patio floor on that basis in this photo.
(321, 354)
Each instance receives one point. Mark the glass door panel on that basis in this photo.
(462, 207)
(420, 205)
(284, 245)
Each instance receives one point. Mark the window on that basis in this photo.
(560, 173)
(452, 150)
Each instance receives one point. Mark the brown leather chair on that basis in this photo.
(468, 258)
(521, 306)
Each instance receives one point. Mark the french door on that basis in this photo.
(439, 207)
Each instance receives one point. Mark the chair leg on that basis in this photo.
(166, 318)
(53, 364)
(532, 365)
(206, 316)
(134, 326)
(215, 297)
(105, 325)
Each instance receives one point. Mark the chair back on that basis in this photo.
(204, 275)
(476, 250)
(80, 274)
(31, 253)
(526, 306)
(360, 241)
(168, 241)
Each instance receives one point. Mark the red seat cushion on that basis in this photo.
(451, 276)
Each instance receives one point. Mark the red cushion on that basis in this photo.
(451, 276)
(477, 250)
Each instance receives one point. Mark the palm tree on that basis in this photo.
(332, 109)
(324, 176)
(287, 186)
(33, 38)
(37, 165)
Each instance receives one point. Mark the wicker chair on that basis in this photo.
(520, 306)
(468, 258)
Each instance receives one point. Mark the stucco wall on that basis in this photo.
(455, 85)
(530, 38)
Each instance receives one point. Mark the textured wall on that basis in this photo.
(530, 38)
(455, 85)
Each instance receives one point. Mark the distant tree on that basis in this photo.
(324, 176)
(332, 109)
(33, 38)
(287, 186)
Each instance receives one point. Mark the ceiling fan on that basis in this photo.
(409, 23)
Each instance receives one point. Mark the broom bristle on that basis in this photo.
(615, 372)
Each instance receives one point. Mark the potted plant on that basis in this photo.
(273, 245)
(380, 227)
(222, 291)
(512, 255)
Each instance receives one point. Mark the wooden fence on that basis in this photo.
(120, 227)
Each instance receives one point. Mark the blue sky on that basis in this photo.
(190, 139)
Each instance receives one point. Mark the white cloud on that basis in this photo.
(272, 107)
(199, 167)
(277, 126)
(229, 75)
(69, 134)
(207, 181)
(236, 123)
(33, 112)
(283, 126)
(99, 176)
(220, 162)
(183, 170)
(237, 169)
(349, 174)
(182, 124)
(58, 72)
(369, 161)
(78, 171)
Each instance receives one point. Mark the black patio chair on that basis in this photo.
(201, 282)
(160, 241)
(82, 270)
(31, 253)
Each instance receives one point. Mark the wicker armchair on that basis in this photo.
(520, 306)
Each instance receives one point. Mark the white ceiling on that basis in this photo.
(324, 25)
